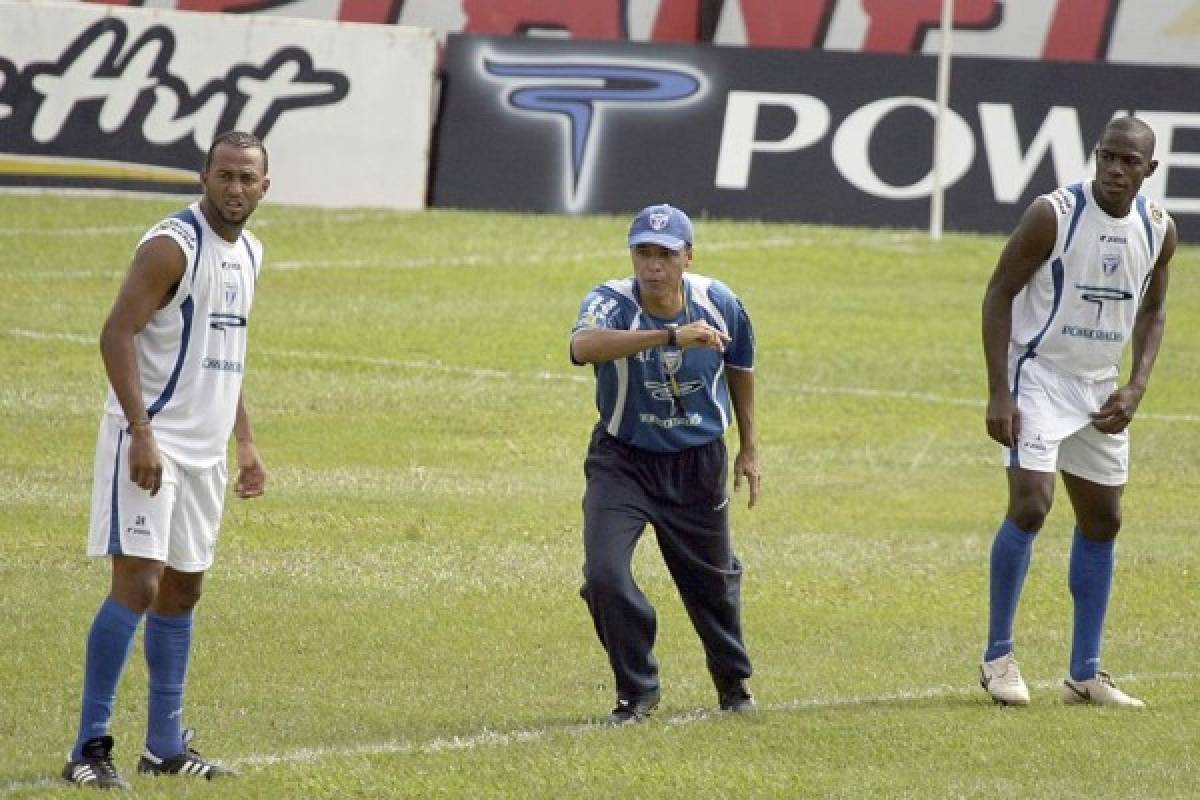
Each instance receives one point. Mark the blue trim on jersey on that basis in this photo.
(187, 216)
(186, 309)
(114, 525)
(1145, 286)
(1057, 274)
(1080, 203)
(1145, 215)
(253, 260)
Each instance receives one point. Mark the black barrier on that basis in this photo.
(813, 136)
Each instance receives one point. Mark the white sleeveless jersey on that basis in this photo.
(1077, 312)
(192, 352)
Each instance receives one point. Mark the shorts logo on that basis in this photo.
(139, 526)
(1035, 444)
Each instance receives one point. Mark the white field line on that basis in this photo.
(482, 259)
(438, 366)
(468, 260)
(490, 738)
(49, 230)
(49, 336)
(104, 230)
(428, 366)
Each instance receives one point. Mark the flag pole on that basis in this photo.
(937, 198)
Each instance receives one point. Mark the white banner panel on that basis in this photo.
(95, 96)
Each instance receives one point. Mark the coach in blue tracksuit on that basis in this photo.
(671, 350)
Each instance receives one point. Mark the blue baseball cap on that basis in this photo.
(662, 225)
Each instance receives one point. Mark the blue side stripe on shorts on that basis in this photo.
(1014, 455)
(1058, 275)
(114, 525)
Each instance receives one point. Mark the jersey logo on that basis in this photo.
(580, 92)
(672, 360)
(662, 390)
(1110, 262)
(1098, 294)
(219, 322)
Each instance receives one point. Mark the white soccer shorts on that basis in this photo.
(1056, 431)
(178, 526)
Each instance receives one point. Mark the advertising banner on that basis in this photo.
(94, 96)
(843, 138)
(1165, 32)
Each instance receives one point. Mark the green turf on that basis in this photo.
(398, 616)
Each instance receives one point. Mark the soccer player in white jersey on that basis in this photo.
(174, 349)
(671, 351)
(1082, 276)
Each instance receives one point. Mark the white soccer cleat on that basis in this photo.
(1098, 691)
(1002, 679)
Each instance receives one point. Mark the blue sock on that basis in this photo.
(168, 645)
(1090, 579)
(1011, 551)
(108, 644)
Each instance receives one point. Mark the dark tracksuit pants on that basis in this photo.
(683, 496)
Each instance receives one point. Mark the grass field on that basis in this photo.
(398, 617)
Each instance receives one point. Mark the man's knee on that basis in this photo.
(135, 582)
(1101, 525)
(605, 580)
(1028, 517)
(1030, 496)
(178, 592)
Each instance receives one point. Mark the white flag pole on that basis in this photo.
(937, 199)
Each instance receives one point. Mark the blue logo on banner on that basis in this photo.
(580, 91)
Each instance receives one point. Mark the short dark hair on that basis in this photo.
(236, 139)
(1136, 128)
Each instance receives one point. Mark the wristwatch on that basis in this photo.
(672, 331)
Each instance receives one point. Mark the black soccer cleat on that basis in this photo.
(732, 695)
(189, 762)
(631, 710)
(94, 768)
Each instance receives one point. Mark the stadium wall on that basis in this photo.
(843, 138)
(98, 97)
